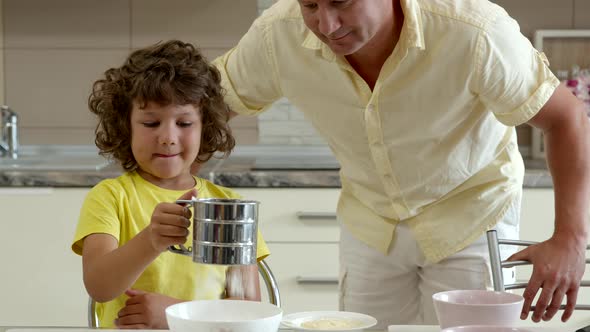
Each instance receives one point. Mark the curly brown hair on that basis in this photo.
(173, 72)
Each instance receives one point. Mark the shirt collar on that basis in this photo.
(312, 42)
(412, 32)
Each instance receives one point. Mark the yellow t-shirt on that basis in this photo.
(433, 143)
(123, 207)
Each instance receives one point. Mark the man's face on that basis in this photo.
(346, 26)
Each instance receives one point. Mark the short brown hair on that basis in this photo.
(166, 73)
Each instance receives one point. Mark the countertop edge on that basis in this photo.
(235, 179)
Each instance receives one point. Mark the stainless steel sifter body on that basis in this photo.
(225, 231)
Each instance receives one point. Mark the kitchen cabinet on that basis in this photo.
(295, 214)
(304, 252)
(537, 214)
(41, 284)
(41, 280)
(302, 233)
(41, 272)
(307, 275)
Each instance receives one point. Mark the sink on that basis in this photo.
(55, 157)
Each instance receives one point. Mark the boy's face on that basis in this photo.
(165, 141)
(346, 25)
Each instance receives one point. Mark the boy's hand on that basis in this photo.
(169, 224)
(144, 310)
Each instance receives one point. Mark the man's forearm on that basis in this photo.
(568, 149)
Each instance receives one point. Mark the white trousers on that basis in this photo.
(397, 288)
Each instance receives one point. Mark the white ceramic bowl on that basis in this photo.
(486, 328)
(223, 316)
(477, 307)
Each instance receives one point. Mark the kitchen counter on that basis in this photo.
(248, 166)
(393, 328)
(86, 329)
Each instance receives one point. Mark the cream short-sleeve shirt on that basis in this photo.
(433, 144)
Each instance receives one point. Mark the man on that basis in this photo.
(418, 100)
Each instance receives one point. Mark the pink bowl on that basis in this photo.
(477, 307)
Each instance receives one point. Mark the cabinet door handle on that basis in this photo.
(316, 280)
(301, 215)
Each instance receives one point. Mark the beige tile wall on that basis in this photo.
(546, 14)
(213, 24)
(284, 125)
(53, 50)
(582, 14)
(540, 14)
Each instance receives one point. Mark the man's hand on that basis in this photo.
(144, 310)
(558, 267)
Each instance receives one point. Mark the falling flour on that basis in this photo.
(240, 284)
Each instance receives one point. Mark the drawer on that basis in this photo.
(307, 275)
(295, 215)
(40, 272)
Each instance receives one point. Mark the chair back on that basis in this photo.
(268, 277)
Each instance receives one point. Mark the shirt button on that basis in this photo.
(371, 108)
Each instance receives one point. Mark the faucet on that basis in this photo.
(9, 131)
